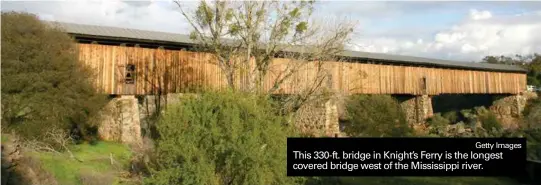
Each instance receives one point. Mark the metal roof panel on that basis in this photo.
(125, 33)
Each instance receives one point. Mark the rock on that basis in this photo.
(508, 109)
(319, 118)
(461, 130)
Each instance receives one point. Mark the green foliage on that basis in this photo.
(532, 128)
(533, 137)
(437, 124)
(468, 114)
(234, 29)
(376, 116)
(451, 116)
(221, 138)
(532, 63)
(534, 71)
(43, 84)
(532, 114)
(481, 110)
(490, 124)
(489, 121)
(204, 13)
(301, 27)
(470, 117)
(534, 78)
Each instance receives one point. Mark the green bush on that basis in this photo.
(532, 128)
(470, 117)
(532, 104)
(221, 138)
(451, 116)
(375, 116)
(532, 114)
(490, 122)
(437, 124)
(533, 137)
(43, 84)
(480, 114)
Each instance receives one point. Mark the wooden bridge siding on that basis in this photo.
(186, 69)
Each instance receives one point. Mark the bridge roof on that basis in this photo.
(153, 37)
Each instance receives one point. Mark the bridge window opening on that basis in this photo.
(329, 81)
(130, 74)
(423, 85)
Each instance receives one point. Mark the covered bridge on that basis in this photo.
(132, 62)
(124, 60)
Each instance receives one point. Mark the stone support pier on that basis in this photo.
(318, 119)
(417, 109)
(121, 121)
(508, 109)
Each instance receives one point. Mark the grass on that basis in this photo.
(420, 180)
(95, 168)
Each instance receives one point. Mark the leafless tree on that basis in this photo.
(247, 36)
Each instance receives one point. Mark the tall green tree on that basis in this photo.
(532, 63)
(43, 84)
(534, 70)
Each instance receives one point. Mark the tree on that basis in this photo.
(535, 63)
(532, 63)
(531, 126)
(534, 70)
(246, 37)
(43, 84)
(491, 60)
(221, 138)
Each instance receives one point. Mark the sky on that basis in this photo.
(457, 30)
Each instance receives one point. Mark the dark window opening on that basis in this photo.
(130, 73)
(424, 85)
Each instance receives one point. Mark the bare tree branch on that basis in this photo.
(258, 32)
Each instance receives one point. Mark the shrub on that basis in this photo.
(376, 116)
(438, 124)
(458, 130)
(490, 122)
(470, 117)
(479, 115)
(533, 137)
(533, 119)
(451, 116)
(221, 138)
(532, 128)
(480, 110)
(532, 114)
(43, 84)
(532, 104)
